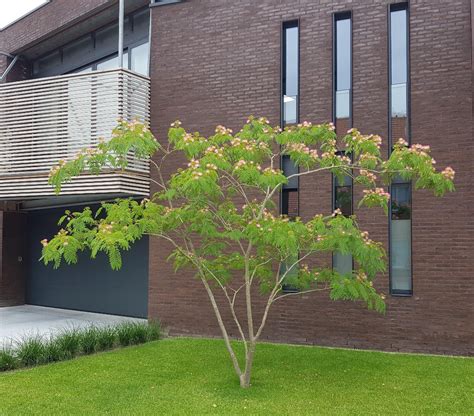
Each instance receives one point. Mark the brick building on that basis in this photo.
(386, 67)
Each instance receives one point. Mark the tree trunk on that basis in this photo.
(245, 376)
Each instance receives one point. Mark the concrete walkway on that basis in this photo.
(17, 322)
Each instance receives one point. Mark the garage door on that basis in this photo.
(90, 285)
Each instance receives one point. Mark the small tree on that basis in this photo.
(221, 217)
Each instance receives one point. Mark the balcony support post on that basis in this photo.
(120, 37)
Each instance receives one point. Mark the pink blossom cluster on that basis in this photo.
(448, 173)
(271, 171)
(243, 162)
(365, 237)
(336, 212)
(378, 192)
(189, 138)
(419, 149)
(367, 157)
(211, 166)
(301, 148)
(194, 164)
(305, 124)
(369, 175)
(216, 150)
(223, 130)
(344, 159)
(359, 138)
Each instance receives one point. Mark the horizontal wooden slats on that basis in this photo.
(45, 120)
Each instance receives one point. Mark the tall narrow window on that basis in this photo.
(342, 199)
(342, 116)
(290, 115)
(290, 72)
(290, 110)
(400, 239)
(399, 127)
(342, 72)
(399, 117)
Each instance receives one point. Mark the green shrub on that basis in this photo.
(53, 351)
(88, 340)
(153, 330)
(106, 338)
(31, 351)
(69, 342)
(131, 333)
(8, 360)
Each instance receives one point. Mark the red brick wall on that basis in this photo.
(216, 64)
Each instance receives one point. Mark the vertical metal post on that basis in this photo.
(120, 37)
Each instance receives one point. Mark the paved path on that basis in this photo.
(17, 322)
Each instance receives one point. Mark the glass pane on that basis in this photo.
(342, 263)
(343, 54)
(291, 277)
(75, 51)
(47, 63)
(399, 100)
(141, 22)
(343, 199)
(112, 63)
(400, 255)
(107, 38)
(289, 169)
(83, 70)
(342, 104)
(290, 109)
(108, 64)
(401, 201)
(139, 59)
(291, 62)
(398, 46)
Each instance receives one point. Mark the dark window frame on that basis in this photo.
(393, 8)
(399, 292)
(336, 17)
(287, 25)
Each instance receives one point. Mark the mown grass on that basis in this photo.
(194, 376)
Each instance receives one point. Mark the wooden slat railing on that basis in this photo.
(45, 120)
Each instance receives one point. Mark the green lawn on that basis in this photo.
(194, 376)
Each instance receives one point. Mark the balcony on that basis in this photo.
(45, 120)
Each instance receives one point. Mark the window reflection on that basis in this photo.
(343, 78)
(139, 56)
(290, 73)
(400, 201)
(342, 263)
(399, 73)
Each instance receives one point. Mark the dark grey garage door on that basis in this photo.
(90, 285)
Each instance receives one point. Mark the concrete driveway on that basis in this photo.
(17, 322)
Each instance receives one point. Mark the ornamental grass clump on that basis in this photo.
(30, 351)
(73, 342)
(219, 214)
(8, 360)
